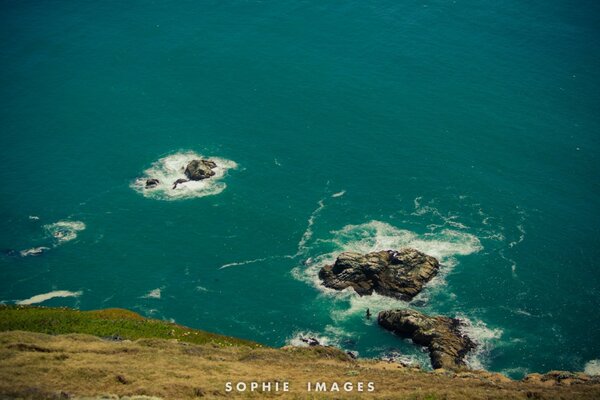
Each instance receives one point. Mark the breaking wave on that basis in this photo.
(483, 336)
(170, 168)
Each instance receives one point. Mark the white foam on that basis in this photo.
(324, 340)
(592, 367)
(34, 217)
(170, 168)
(484, 337)
(375, 236)
(34, 251)
(47, 296)
(65, 230)
(308, 233)
(339, 194)
(153, 294)
(246, 262)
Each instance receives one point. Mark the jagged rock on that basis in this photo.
(152, 182)
(178, 181)
(197, 170)
(400, 274)
(446, 344)
(311, 341)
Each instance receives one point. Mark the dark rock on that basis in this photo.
(113, 338)
(178, 181)
(197, 170)
(121, 379)
(310, 341)
(400, 274)
(152, 182)
(441, 335)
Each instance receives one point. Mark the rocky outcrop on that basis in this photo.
(400, 274)
(197, 170)
(446, 344)
(561, 378)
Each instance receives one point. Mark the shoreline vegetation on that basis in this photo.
(59, 353)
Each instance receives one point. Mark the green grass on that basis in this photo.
(103, 323)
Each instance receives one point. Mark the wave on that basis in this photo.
(153, 294)
(170, 168)
(65, 230)
(235, 264)
(483, 336)
(47, 296)
(308, 233)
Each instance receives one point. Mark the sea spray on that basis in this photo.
(170, 168)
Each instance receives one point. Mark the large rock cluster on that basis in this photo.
(400, 274)
(441, 335)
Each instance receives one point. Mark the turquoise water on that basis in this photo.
(466, 129)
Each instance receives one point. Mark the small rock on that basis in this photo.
(178, 181)
(152, 182)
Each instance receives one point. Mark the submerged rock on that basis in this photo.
(34, 251)
(152, 182)
(197, 170)
(441, 335)
(400, 274)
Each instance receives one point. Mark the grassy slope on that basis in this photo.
(108, 322)
(41, 366)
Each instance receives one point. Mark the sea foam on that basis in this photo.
(40, 298)
(592, 367)
(65, 230)
(483, 336)
(170, 168)
(376, 235)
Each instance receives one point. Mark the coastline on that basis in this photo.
(66, 353)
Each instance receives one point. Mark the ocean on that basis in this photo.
(466, 129)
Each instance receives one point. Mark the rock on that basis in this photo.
(310, 341)
(400, 274)
(446, 344)
(197, 170)
(563, 378)
(152, 182)
(178, 181)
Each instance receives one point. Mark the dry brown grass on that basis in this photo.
(36, 366)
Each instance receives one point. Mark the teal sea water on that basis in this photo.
(467, 129)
